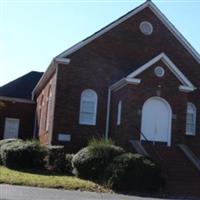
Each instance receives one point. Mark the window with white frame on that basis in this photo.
(119, 111)
(88, 107)
(191, 119)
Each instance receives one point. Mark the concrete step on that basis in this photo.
(182, 176)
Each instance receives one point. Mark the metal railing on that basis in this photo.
(157, 155)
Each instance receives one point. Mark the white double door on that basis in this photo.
(156, 120)
(11, 129)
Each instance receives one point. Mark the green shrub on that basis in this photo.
(23, 154)
(97, 142)
(68, 158)
(133, 172)
(90, 162)
(6, 141)
(56, 161)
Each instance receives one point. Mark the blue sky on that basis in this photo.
(32, 32)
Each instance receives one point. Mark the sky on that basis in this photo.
(33, 32)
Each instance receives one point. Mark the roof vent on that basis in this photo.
(146, 28)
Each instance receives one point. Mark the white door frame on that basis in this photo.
(17, 120)
(170, 117)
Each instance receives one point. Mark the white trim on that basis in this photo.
(65, 61)
(160, 16)
(108, 113)
(13, 99)
(170, 122)
(123, 82)
(186, 89)
(172, 67)
(119, 112)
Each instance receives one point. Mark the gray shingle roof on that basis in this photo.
(21, 87)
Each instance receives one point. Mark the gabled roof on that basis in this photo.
(21, 87)
(186, 86)
(156, 11)
(172, 67)
(147, 4)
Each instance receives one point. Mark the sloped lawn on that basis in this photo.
(13, 177)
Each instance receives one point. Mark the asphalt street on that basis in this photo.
(8, 192)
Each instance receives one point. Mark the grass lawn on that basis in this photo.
(13, 177)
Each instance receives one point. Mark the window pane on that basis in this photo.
(88, 106)
(87, 118)
(190, 118)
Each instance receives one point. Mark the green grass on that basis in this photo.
(13, 177)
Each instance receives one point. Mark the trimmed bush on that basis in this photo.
(90, 162)
(22, 155)
(6, 141)
(133, 172)
(56, 160)
(69, 167)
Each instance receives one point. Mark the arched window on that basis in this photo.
(119, 112)
(191, 119)
(88, 107)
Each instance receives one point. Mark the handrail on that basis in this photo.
(149, 142)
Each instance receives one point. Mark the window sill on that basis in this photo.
(84, 124)
(190, 134)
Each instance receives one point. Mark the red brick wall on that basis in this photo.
(108, 59)
(23, 111)
(43, 132)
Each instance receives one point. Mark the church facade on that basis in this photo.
(136, 79)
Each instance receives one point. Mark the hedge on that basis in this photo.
(6, 141)
(22, 155)
(133, 172)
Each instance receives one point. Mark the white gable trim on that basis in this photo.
(102, 31)
(123, 82)
(175, 32)
(173, 68)
(186, 89)
(156, 11)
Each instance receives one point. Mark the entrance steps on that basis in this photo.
(181, 175)
(190, 155)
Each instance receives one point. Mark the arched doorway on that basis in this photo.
(156, 120)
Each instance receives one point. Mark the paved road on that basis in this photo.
(8, 192)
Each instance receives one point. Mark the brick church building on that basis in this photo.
(136, 81)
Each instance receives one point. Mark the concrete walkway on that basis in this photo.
(8, 192)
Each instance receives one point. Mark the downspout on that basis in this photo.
(108, 113)
(115, 87)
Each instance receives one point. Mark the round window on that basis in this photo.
(159, 71)
(146, 28)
